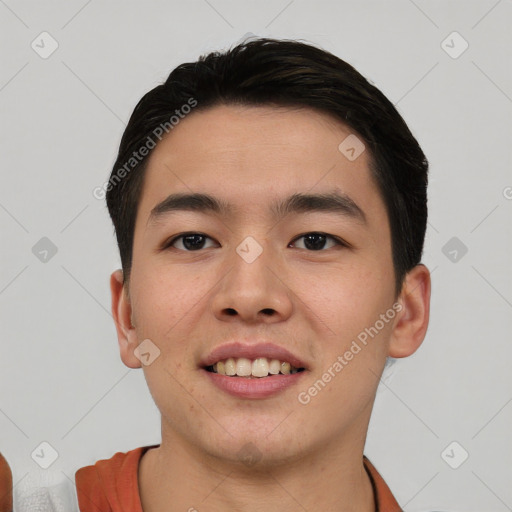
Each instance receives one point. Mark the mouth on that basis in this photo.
(257, 368)
(253, 371)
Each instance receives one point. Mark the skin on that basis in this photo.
(5, 486)
(314, 303)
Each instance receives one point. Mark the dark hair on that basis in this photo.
(271, 72)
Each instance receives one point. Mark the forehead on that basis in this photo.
(250, 156)
(240, 132)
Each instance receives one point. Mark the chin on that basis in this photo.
(253, 449)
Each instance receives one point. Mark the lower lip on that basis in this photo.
(264, 387)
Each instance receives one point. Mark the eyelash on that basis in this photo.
(339, 242)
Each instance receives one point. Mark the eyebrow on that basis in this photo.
(331, 202)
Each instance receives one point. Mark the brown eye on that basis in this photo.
(317, 241)
(189, 242)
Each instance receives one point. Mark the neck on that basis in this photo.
(175, 477)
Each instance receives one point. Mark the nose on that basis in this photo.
(253, 291)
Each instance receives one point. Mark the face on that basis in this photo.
(253, 282)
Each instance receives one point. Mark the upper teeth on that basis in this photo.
(259, 367)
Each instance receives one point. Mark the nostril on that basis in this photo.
(230, 311)
(268, 311)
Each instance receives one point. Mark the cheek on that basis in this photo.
(346, 299)
(161, 299)
(351, 306)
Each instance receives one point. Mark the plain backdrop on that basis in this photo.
(446, 65)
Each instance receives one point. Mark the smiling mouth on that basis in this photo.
(252, 368)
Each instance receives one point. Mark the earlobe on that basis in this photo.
(411, 324)
(122, 313)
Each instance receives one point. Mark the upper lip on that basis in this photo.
(251, 351)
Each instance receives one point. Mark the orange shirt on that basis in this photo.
(5, 486)
(112, 485)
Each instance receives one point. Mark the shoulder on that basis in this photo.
(384, 499)
(110, 484)
(119, 462)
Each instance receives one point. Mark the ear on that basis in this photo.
(411, 323)
(122, 313)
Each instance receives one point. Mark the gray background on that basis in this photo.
(61, 378)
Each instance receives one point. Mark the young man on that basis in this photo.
(270, 210)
